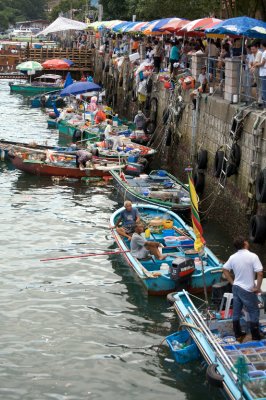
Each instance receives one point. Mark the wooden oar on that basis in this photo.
(86, 255)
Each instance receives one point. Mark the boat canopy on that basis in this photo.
(49, 76)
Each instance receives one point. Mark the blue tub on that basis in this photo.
(186, 354)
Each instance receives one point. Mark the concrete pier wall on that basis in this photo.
(232, 205)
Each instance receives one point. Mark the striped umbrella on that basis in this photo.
(198, 26)
(137, 27)
(119, 27)
(150, 28)
(130, 26)
(174, 25)
(111, 24)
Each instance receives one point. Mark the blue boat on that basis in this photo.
(47, 100)
(229, 362)
(180, 268)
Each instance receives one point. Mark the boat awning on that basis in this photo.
(49, 76)
(63, 24)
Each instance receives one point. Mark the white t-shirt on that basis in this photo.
(244, 264)
(107, 131)
(262, 70)
(137, 246)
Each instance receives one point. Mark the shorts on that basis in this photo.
(129, 229)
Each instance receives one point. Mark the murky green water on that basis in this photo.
(82, 328)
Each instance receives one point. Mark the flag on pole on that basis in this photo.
(197, 228)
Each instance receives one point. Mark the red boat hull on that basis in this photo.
(43, 169)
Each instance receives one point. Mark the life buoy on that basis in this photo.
(213, 377)
(257, 229)
(261, 186)
(202, 159)
(234, 162)
(218, 162)
(170, 298)
(199, 181)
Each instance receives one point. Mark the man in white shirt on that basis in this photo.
(255, 61)
(262, 72)
(141, 248)
(245, 265)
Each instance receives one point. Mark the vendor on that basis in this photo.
(129, 217)
(141, 248)
(82, 157)
(140, 121)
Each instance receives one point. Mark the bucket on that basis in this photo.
(168, 223)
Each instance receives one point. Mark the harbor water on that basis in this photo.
(77, 329)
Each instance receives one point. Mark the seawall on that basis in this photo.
(208, 127)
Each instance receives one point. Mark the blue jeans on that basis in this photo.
(249, 300)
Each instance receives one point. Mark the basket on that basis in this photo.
(186, 354)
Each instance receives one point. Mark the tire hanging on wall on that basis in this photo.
(154, 109)
(257, 229)
(261, 186)
(169, 137)
(234, 162)
(202, 159)
(199, 181)
(150, 127)
(218, 162)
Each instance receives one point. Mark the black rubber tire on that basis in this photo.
(150, 127)
(199, 182)
(170, 298)
(213, 377)
(166, 114)
(234, 162)
(202, 159)
(218, 162)
(154, 109)
(169, 137)
(261, 186)
(257, 229)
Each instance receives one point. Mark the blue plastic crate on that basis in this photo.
(249, 345)
(186, 354)
(228, 347)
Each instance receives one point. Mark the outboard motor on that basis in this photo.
(181, 271)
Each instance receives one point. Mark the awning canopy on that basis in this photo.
(63, 24)
(49, 76)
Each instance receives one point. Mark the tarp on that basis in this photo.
(63, 24)
(240, 26)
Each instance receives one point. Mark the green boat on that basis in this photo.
(68, 129)
(159, 188)
(31, 88)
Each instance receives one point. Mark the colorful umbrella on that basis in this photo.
(137, 27)
(69, 62)
(119, 27)
(131, 25)
(29, 66)
(147, 29)
(55, 63)
(79, 87)
(197, 27)
(174, 25)
(240, 26)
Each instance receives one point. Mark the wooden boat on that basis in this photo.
(156, 279)
(59, 165)
(228, 361)
(158, 188)
(46, 99)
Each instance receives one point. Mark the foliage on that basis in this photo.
(18, 10)
(73, 8)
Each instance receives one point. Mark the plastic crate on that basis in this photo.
(228, 347)
(186, 354)
(249, 344)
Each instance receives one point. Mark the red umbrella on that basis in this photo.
(197, 27)
(55, 64)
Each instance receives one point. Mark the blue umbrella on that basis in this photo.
(69, 62)
(240, 26)
(68, 80)
(79, 87)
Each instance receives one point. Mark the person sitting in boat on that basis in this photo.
(245, 265)
(140, 121)
(129, 217)
(141, 248)
(107, 132)
(82, 158)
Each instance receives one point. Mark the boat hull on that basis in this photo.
(31, 90)
(43, 169)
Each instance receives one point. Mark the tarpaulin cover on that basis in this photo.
(63, 24)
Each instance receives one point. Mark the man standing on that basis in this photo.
(244, 265)
(254, 67)
(140, 121)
